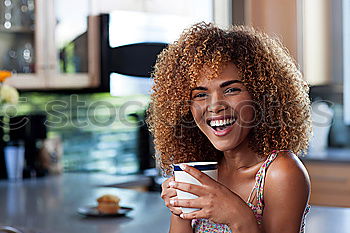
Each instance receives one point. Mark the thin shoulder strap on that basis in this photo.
(260, 179)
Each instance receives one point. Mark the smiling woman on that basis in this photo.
(222, 108)
(235, 97)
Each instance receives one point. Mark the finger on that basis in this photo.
(165, 184)
(171, 179)
(176, 211)
(187, 187)
(188, 203)
(168, 193)
(194, 215)
(171, 192)
(200, 176)
(168, 202)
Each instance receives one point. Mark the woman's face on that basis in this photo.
(222, 108)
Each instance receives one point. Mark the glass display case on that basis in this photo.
(20, 23)
(75, 56)
(17, 36)
(48, 44)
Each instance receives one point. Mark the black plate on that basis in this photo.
(92, 211)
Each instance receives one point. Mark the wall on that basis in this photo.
(317, 41)
(275, 17)
(310, 29)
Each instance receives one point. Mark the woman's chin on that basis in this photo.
(230, 143)
(224, 146)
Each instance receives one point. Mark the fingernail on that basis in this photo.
(172, 184)
(183, 167)
(181, 215)
(172, 202)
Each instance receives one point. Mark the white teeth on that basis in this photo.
(221, 122)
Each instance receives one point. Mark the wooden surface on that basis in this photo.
(276, 18)
(330, 183)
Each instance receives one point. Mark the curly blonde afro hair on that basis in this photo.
(268, 72)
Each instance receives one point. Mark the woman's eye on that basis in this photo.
(199, 95)
(232, 90)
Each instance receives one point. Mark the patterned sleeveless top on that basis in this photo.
(205, 225)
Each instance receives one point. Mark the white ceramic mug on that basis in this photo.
(209, 168)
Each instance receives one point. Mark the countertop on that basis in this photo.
(332, 155)
(48, 205)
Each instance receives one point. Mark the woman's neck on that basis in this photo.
(240, 157)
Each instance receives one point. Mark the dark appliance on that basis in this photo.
(133, 59)
(30, 131)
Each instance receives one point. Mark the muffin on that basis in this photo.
(108, 204)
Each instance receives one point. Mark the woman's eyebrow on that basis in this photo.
(225, 84)
(200, 89)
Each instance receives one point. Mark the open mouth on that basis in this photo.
(221, 125)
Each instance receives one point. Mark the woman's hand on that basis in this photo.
(168, 194)
(215, 201)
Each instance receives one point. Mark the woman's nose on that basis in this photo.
(217, 106)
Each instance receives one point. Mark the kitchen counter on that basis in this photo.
(48, 205)
(332, 155)
(328, 220)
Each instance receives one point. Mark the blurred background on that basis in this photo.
(82, 69)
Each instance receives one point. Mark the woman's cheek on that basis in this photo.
(248, 115)
(246, 111)
(197, 113)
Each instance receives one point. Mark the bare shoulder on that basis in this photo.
(286, 193)
(287, 168)
(287, 180)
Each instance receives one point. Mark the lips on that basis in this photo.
(221, 125)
